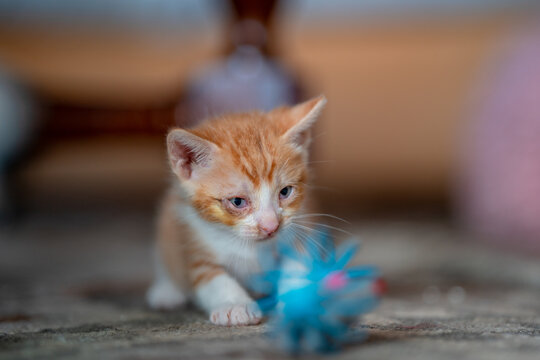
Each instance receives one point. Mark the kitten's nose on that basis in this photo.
(268, 224)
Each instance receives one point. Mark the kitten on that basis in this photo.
(239, 181)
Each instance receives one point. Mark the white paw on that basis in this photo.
(239, 314)
(164, 296)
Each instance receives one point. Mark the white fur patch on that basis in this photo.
(267, 197)
(221, 290)
(227, 302)
(238, 257)
(163, 294)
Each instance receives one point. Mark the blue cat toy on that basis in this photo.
(311, 298)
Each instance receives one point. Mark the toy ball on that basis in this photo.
(311, 298)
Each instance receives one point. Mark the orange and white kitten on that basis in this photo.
(239, 181)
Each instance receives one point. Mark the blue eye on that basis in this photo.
(285, 192)
(238, 202)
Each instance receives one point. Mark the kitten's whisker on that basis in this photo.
(302, 236)
(302, 216)
(292, 237)
(307, 228)
(326, 226)
(302, 233)
(295, 236)
(307, 238)
(302, 245)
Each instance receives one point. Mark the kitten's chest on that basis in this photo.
(238, 258)
(240, 261)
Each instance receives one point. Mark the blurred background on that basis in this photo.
(429, 146)
(433, 105)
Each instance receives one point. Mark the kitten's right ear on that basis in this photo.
(301, 118)
(188, 152)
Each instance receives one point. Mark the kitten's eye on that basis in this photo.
(285, 192)
(238, 202)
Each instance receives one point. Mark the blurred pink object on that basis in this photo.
(500, 197)
(335, 280)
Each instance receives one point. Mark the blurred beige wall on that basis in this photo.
(398, 96)
(398, 93)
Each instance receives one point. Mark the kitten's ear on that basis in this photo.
(188, 152)
(301, 118)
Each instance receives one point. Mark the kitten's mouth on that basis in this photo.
(263, 236)
(268, 237)
(283, 228)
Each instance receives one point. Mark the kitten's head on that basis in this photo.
(247, 171)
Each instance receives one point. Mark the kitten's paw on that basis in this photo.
(164, 296)
(238, 314)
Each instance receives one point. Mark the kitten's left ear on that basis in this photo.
(301, 118)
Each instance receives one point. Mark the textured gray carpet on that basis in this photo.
(72, 285)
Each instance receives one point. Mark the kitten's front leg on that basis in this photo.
(227, 302)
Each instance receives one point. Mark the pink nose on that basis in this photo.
(269, 225)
